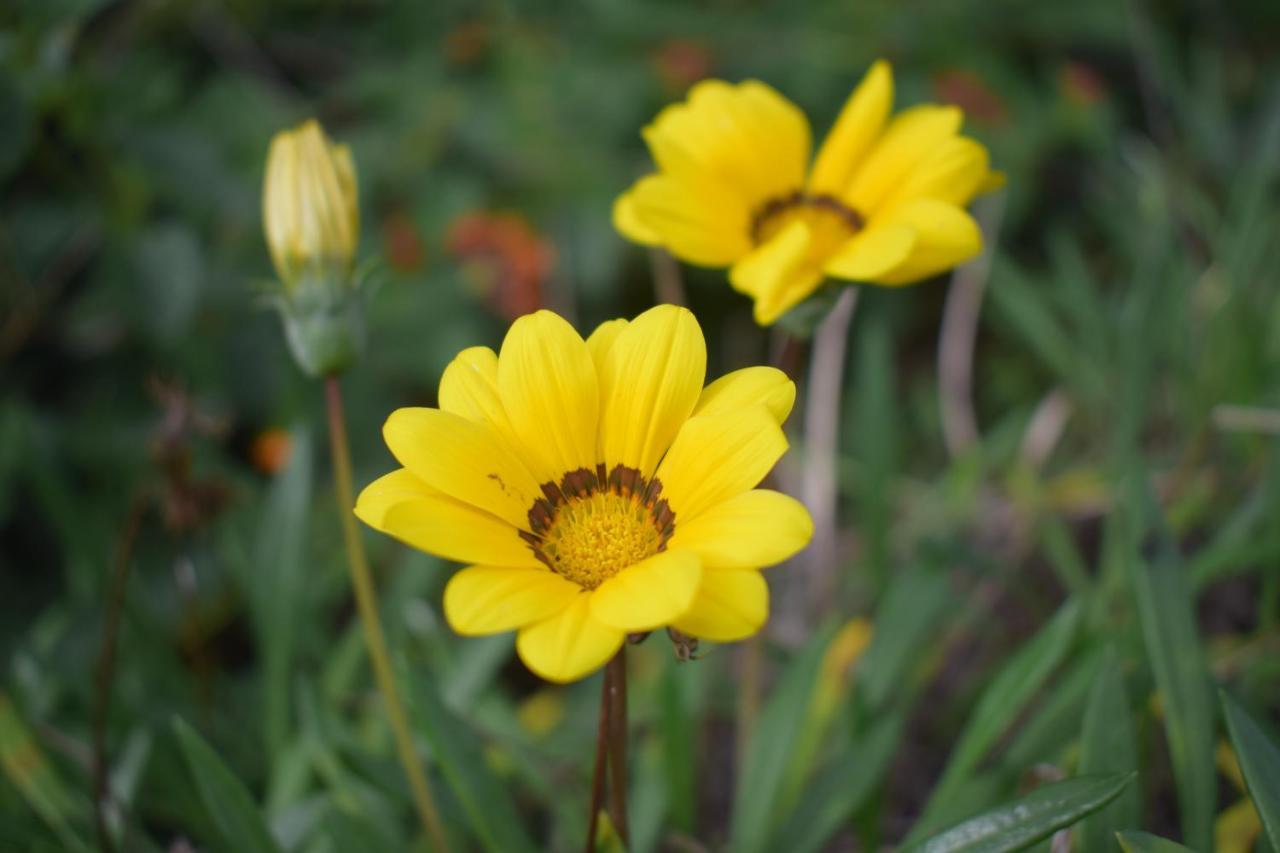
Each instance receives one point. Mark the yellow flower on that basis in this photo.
(309, 204)
(596, 488)
(882, 203)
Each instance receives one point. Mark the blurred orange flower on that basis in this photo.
(467, 43)
(402, 244)
(271, 450)
(967, 91)
(682, 62)
(1081, 84)
(504, 258)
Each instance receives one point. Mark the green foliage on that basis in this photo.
(1038, 815)
(1055, 601)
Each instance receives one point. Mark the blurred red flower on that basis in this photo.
(504, 259)
(967, 90)
(682, 62)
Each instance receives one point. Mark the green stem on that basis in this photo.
(367, 605)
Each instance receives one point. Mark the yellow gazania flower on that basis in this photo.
(883, 202)
(310, 207)
(596, 488)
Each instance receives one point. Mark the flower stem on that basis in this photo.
(821, 433)
(617, 693)
(602, 752)
(367, 605)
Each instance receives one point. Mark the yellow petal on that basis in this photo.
(872, 253)
(570, 644)
(626, 219)
(730, 605)
(696, 223)
(463, 459)
(550, 391)
(910, 137)
(747, 531)
(777, 273)
(482, 600)
(745, 139)
(602, 340)
(994, 180)
(650, 383)
(403, 506)
(469, 387)
(859, 124)
(952, 172)
(650, 594)
(715, 457)
(1237, 828)
(945, 237)
(767, 386)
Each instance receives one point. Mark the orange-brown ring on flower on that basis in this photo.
(582, 483)
(799, 198)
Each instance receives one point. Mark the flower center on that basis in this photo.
(591, 526)
(830, 221)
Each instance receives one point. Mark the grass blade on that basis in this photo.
(839, 790)
(459, 754)
(226, 800)
(1107, 745)
(1259, 759)
(1165, 609)
(1004, 699)
(1025, 821)
(1144, 842)
(27, 768)
(904, 620)
(769, 752)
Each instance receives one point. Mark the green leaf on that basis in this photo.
(1165, 609)
(459, 753)
(840, 789)
(769, 751)
(25, 765)
(1004, 699)
(1259, 758)
(1108, 745)
(905, 619)
(226, 800)
(677, 731)
(1134, 841)
(1023, 822)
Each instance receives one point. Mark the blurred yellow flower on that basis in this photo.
(310, 208)
(596, 487)
(883, 202)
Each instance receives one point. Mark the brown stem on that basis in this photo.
(617, 693)
(602, 751)
(106, 667)
(668, 287)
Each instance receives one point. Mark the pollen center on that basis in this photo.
(589, 527)
(831, 221)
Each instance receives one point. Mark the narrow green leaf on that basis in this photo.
(1108, 745)
(840, 789)
(28, 770)
(677, 745)
(1259, 758)
(1055, 724)
(1023, 822)
(1004, 699)
(905, 619)
(458, 752)
(769, 751)
(226, 800)
(1134, 841)
(1165, 609)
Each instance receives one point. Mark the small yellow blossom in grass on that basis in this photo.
(596, 488)
(310, 213)
(882, 203)
(309, 204)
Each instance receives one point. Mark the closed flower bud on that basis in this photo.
(311, 218)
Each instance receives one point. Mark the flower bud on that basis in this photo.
(311, 217)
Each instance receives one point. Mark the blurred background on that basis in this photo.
(1111, 470)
